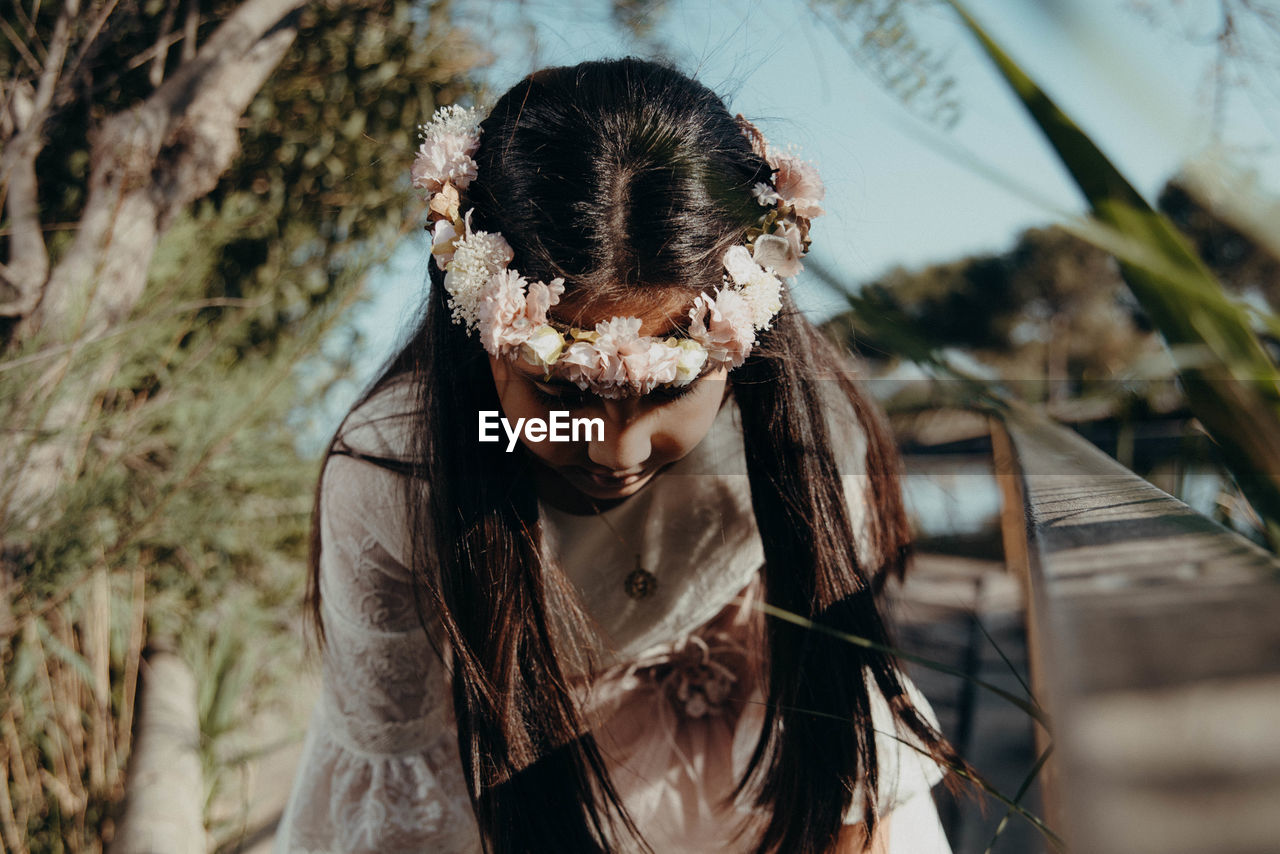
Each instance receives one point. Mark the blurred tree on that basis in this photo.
(164, 125)
(131, 118)
(1055, 306)
(1050, 306)
(1243, 264)
(192, 193)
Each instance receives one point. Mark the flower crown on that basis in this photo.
(612, 359)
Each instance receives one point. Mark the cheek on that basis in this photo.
(519, 401)
(685, 426)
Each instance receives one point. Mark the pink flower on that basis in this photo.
(540, 298)
(501, 316)
(618, 360)
(582, 364)
(646, 363)
(617, 338)
(729, 334)
(663, 364)
(798, 184)
(444, 159)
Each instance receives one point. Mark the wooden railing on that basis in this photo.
(1155, 648)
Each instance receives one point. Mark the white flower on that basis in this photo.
(543, 347)
(773, 251)
(764, 298)
(738, 262)
(453, 121)
(689, 362)
(443, 235)
(476, 257)
(765, 195)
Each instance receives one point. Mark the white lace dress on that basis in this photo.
(380, 772)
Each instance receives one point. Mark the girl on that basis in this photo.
(563, 647)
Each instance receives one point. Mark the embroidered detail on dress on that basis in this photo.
(640, 583)
(700, 674)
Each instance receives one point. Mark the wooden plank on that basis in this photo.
(1014, 534)
(1160, 634)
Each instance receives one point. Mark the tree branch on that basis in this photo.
(161, 50)
(21, 46)
(147, 165)
(27, 266)
(189, 26)
(53, 65)
(88, 43)
(150, 163)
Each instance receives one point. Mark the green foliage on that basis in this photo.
(189, 472)
(1230, 379)
(325, 159)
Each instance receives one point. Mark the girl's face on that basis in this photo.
(642, 434)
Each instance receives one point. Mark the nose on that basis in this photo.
(626, 443)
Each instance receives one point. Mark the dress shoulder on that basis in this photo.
(380, 769)
(363, 489)
(382, 425)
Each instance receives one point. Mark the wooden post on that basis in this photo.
(1014, 534)
(164, 791)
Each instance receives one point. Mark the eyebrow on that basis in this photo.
(557, 381)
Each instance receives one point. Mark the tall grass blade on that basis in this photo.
(1019, 795)
(1028, 706)
(977, 621)
(1014, 804)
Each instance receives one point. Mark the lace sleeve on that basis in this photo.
(380, 769)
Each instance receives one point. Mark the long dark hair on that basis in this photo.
(624, 177)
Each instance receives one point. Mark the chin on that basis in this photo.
(604, 490)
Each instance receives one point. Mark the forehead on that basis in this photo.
(662, 311)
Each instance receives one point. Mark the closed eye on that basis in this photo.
(560, 394)
(666, 394)
(570, 396)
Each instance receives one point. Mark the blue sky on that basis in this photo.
(900, 190)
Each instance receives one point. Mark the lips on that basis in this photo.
(613, 480)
